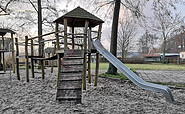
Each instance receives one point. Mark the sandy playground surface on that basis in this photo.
(111, 96)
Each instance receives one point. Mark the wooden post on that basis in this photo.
(97, 58)
(13, 54)
(89, 55)
(4, 65)
(73, 41)
(42, 61)
(89, 67)
(32, 63)
(17, 59)
(65, 33)
(26, 58)
(85, 55)
(96, 70)
(52, 62)
(58, 55)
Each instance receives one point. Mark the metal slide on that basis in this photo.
(131, 75)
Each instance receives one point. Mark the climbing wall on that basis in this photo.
(70, 80)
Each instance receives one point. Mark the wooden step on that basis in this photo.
(67, 68)
(72, 61)
(68, 94)
(66, 84)
(76, 53)
(70, 77)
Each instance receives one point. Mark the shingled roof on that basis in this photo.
(4, 31)
(77, 17)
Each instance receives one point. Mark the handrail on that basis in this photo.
(44, 35)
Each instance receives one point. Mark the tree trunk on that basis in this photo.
(113, 45)
(40, 27)
(164, 49)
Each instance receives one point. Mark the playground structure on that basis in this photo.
(6, 47)
(78, 46)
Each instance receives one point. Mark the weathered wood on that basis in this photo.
(73, 41)
(26, 58)
(32, 63)
(85, 55)
(65, 33)
(89, 67)
(52, 62)
(4, 64)
(58, 55)
(17, 59)
(96, 69)
(70, 81)
(99, 31)
(42, 68)
(13, 54)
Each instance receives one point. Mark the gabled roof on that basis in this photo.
(4, 31)
(77, 17)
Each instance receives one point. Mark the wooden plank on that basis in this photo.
(17, 59)
(72, 68)
(70, 84)
(68, 94)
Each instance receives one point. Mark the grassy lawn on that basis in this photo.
(154, 66)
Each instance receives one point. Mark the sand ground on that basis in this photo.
(111, 96)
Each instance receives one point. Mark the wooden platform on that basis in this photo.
(70, 80)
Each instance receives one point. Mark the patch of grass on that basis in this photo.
(119, 76)
(154, 66)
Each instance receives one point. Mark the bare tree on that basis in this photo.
(165, 22)
(126, 33)
(147, 42)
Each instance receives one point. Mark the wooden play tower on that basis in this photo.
(3, 32)
(71, 78)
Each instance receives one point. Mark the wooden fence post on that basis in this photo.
(17, 58)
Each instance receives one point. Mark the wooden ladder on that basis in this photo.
(70, 80)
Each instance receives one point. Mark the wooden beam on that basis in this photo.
(89, 67)
(4, 64)
(13, 54)
(17, 59)
(85, 55)
(73, 41)
(26, 58)
(52, 62)
(58, 55)
(65, 33)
